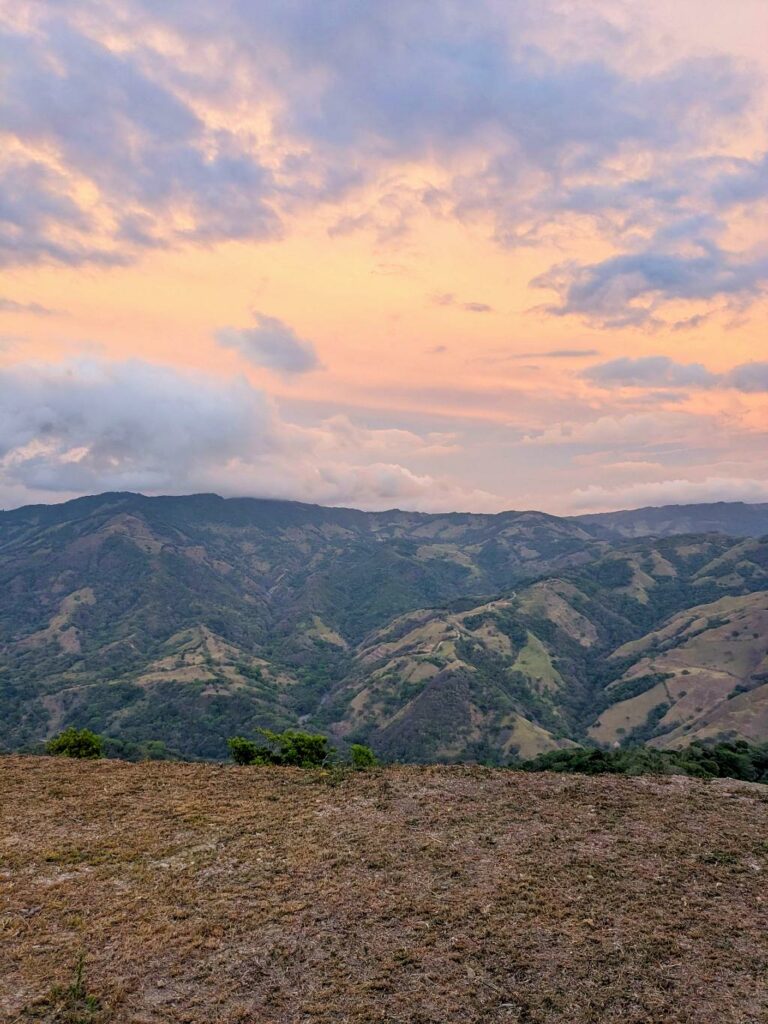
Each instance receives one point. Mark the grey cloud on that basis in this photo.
(663, 372)
(40, 221)
(650, 371)
(607, 293)
(744, 182)
(35, 308)
(95, 104)
(127, 425)
(272, 344)
(749, 377)
(690, 322)
(559, 353)
(597, 198)
(449, 299)
(32, 196)
(355, 87)
(138, 143)
(409, 78)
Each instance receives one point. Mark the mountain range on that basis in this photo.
(460, 636)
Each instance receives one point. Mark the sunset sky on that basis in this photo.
(424, 254)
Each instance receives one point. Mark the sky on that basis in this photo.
(424, 254)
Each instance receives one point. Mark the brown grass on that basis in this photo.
(200, 893)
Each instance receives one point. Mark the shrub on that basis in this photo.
(76, 743)
(736, 760)
(292, 747)
(242, 751)
(575, 759)
(361, 757)
(301, 749)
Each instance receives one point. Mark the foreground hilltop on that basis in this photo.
(430, 637)
(201, 893)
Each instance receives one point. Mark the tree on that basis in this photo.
(242, 751)
(292, 747)
(361, 757)
(81, 743)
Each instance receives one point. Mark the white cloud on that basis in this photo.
(97, 425)
(633, 431)
(94, 425)
(597, 498)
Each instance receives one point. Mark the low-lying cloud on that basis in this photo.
(90, 426)
(679, 491)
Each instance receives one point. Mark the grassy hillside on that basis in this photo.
(432, 637)
(198, 893)
(534, 670)
(703, 674)
(185, 619)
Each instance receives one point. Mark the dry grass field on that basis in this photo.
(200, 893)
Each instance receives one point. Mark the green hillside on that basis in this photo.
(446, 637)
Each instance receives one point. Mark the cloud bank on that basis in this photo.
(89, 426)
(678, 491)
(534, 116)
(401, 157)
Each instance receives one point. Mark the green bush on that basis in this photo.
(292, 747)
(302, 749)
(361, 757)
(738, 760)
(242, 751)
(138, 750)
(76, 743)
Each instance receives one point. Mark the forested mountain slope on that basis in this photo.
(430, 636)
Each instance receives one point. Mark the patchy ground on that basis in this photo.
(200, 893)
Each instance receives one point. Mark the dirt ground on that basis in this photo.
(202, 893)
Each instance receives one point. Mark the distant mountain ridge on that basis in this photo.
(431, 636)
(734, 518)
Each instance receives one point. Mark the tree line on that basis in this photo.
(294, 748)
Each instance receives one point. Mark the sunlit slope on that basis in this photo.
(703, 674)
